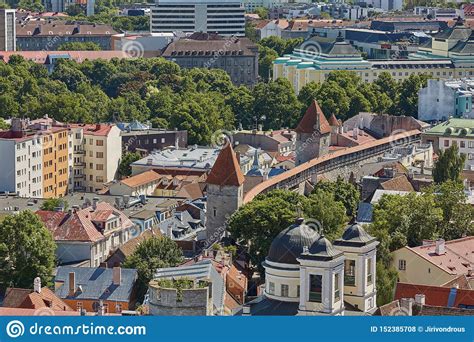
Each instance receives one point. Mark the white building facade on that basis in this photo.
(211, 16)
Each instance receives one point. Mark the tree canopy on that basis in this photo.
(27, 250)
(257, 223)
(449, 165)
(151, 254)
(51, 204)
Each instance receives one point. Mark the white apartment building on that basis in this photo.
(21, 167)
(97, 154)
(225, 17)
(7, 30)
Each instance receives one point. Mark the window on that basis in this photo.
(162, 140)
(79, 306)
(462, 144)
(284, 290)
(402, 265)
(271, 287)
(315, 288)
(349, 272)
(118, 308)
(337, 292)
(369, 271)
(99, 154)
(297, 291)
(99, 167)
(471, 144)
(446, 143)
(99, 143)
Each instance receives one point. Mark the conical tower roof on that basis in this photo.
(314, 120)
(226, 169)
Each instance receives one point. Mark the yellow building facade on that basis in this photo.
(55, 163)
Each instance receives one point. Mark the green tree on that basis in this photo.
(79, 46)
(266, 56)
(125, 168)
(308, 93)
(51, 204)
(322, 206)
(408, 97)
(449, 165)
(257, 223)
(343, 192)
(151, 254)
(262, 12)
(27, 250)
(3, 125)
(277, 102)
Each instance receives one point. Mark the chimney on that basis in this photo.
(246, 310)
(439, 249)
(355, 133)
(117, 275)
(406, 305)
(420, 299)
(95, 201)
(72, 283)
(37, 285)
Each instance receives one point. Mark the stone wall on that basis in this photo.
(193, 302)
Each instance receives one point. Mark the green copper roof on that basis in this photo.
(454, 128)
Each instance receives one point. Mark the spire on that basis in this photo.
(226, 169)
(333, 121)
(256, 163)
(314, 120)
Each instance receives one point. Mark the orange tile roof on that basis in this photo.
(78, 226)
(226, 169)
(29, 299)
(97, 130)
(141, 179)
(35, 312)
(400, 183)
(435, 295)
(458, 258)
(333, 121)
(313, 120)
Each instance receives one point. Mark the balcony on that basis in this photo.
(79, 152)
(80, 164)
(81, 176)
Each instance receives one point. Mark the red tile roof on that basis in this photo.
(333, 121)
(399, 183)
(78, 226)
(435, 295)
(35, 312)
(226, 169)
(98, 130)
(78, 56)
(314, 120)
(458, 258)
(29, 299)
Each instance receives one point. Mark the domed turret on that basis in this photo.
(290, 243)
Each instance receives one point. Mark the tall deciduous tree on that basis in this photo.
(449, 165)
(151, 254)
(343, 191)
(125, 169)
(27, 250)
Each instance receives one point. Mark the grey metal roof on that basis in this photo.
(96, 283)
(264, 306)
(364, 212)
(354, 235)
(289, 244)
(321, 249)
(202, 270)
